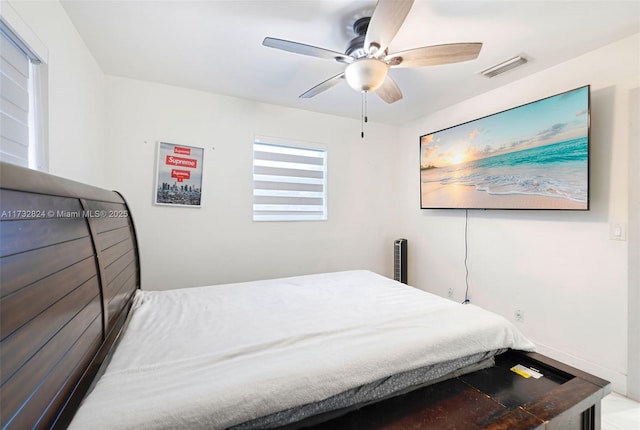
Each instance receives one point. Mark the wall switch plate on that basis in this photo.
(618, 231)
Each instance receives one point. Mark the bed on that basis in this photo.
(83, 347)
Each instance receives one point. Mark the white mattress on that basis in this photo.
(214, 357)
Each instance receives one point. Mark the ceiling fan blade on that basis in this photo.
(434, 55)
(301, 48)
(386, 20)
(323, 86)
(389, 91)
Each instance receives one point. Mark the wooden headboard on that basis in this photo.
(69, 267)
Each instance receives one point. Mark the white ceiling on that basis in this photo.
(216, 45)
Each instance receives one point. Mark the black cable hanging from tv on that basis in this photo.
(466, 255)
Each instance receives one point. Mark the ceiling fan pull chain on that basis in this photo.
(364, 117)
(362, 114)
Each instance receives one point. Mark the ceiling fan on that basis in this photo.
(367, 57)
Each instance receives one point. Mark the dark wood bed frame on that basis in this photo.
(69, 267)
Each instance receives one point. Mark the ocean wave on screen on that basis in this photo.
(558, 170)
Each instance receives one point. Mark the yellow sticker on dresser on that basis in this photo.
(526, 372)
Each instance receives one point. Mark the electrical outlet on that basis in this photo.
(519, 315)
(450, 293)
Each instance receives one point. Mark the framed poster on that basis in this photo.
(179, 175)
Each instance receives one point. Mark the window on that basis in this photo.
(289, 181)
(21, 115)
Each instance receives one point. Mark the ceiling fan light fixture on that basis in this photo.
(366, 74)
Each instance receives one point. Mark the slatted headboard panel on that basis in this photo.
(69, 266)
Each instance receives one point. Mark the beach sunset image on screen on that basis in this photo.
(535, 156)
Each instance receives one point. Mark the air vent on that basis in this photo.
(505, 66)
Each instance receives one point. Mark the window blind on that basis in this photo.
(289, 183)
(14, 103)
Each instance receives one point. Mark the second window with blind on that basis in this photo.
(22, 102)
(289, 180)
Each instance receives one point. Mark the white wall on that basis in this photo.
(219, 242)
(75, 94)
(634, 247)
(560, 268)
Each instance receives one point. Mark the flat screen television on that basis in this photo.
(534, 156)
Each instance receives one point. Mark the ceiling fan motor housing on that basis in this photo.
(355, 48)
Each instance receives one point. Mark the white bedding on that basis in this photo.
(213, 357)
